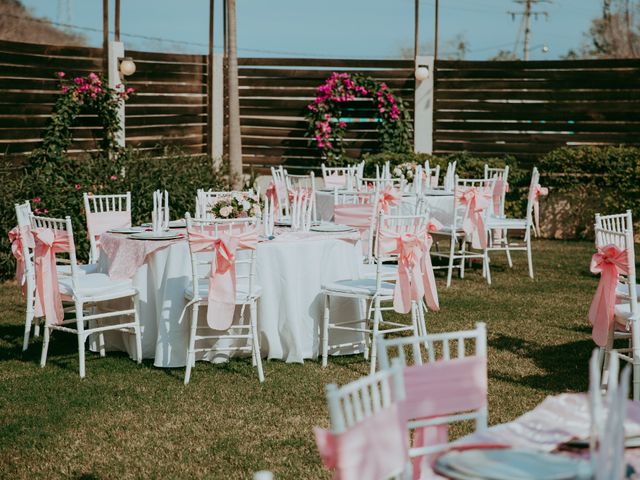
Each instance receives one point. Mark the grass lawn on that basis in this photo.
(131, 421)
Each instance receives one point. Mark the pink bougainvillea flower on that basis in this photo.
(37, 200)
(342, 124)
(93, 77)
(113, 177)
(45, 211)
(77, 186)
(78, 80)
(130, 90)
(37, 210)
(60, 74)
(65, 89)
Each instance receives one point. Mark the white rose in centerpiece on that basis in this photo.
(397, 172)
(226, 211)
(245, 205)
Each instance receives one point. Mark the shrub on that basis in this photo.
(55, 188)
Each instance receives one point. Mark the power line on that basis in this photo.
(526, 15)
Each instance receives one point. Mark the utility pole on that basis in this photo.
(526, 14)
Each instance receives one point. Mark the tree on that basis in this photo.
(504, 55)
(235, 139)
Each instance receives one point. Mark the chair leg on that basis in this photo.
(529, 257)
(28, 321)
(505, 239)
(463, 252)
(253, 309)
(325, 330)
(81, 337)
(45, 345)
(487, 266)
(604, 378)
(137, 330)
(451, 256)
(377, 317)
(414, 319)
(365, 321)
(191, 354)
(101, 348)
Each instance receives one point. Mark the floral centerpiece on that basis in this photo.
(235, 205)
(405, 170)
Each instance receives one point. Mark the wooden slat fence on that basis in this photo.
(529, 108)
(275, 92)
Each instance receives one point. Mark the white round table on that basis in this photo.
(290, 269)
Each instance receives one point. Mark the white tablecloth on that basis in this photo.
(290, 271)
(441, 206)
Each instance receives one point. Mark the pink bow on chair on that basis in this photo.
(477, 201)
(222, 275)
(272, 194)
(19, 236)
(499, 188)
(537, 193)
(48, 242)
(415, 272)
(389, 197)
(609, 261)
(362, 452)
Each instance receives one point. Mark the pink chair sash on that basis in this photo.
(500, 187)
(389, 197)
(48, 302)
(333, 181)
(415, 272)
(442, 388)
(222, 275)
(356, 216)
(537, 193)
(477, 200)
(609, 261)
(100, 222)
(272, 194)
(374, 449)
(19, 237)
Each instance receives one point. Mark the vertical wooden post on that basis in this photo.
(210, 104)
(435, 40)
(416, 30)
(225, 22)
(105, 35)
(117, 20)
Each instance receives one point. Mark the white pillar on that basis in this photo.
(423, 102)
(116, 51)
(217, 128)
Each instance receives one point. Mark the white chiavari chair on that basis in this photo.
(302, 208)
(432, 174)
(374, 292)
(455, 233)
(279, 175)
(104, 212)
(304, 182)
(240, 336)
(23, 215)
(525, 225)
(618, 230)
(449, 180)
(340, 177)
(361, 401)
(461, 357)
(86, 292)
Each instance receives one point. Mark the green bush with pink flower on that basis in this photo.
(327, 125)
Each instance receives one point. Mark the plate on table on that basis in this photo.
(629, 442)
(126, 230)
(510, 464)
(283, 223)
(182, 223)
(332, 228)
(155, 236)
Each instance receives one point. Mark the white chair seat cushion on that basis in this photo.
(515, 223)
(369, 270)
(362, 286)
(93, 285)
(242, 291)
(623, 312)
(82, 269)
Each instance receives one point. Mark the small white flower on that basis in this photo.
(397, 171)
(245, 205)
(225, 211)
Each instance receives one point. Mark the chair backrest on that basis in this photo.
(445, 378)
(607, 435)
(432, 174)
(23, 216)
(361, 398)
(99, 211)
(201, 261)
(459, 209)
(501, 175)
(307, 182)
(302, 208)
(278, 175)
(617, 230)
(358, 210)
(61, 225)
(344, 177)
(450, 177)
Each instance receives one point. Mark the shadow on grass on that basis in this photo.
(564, 365)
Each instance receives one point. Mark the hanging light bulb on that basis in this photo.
(422, 73)
(127, 67)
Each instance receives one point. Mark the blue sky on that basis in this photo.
(335, 28)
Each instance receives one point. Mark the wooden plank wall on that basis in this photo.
(275, 92)
(170, 106)
(528, 108)
(28, 90)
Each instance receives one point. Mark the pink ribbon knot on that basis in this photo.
(222, 274)
(389, 197)
(609, 261)
(477, 200)
(48, 302)
(20, 237)
(415, 272)
(538, 192)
